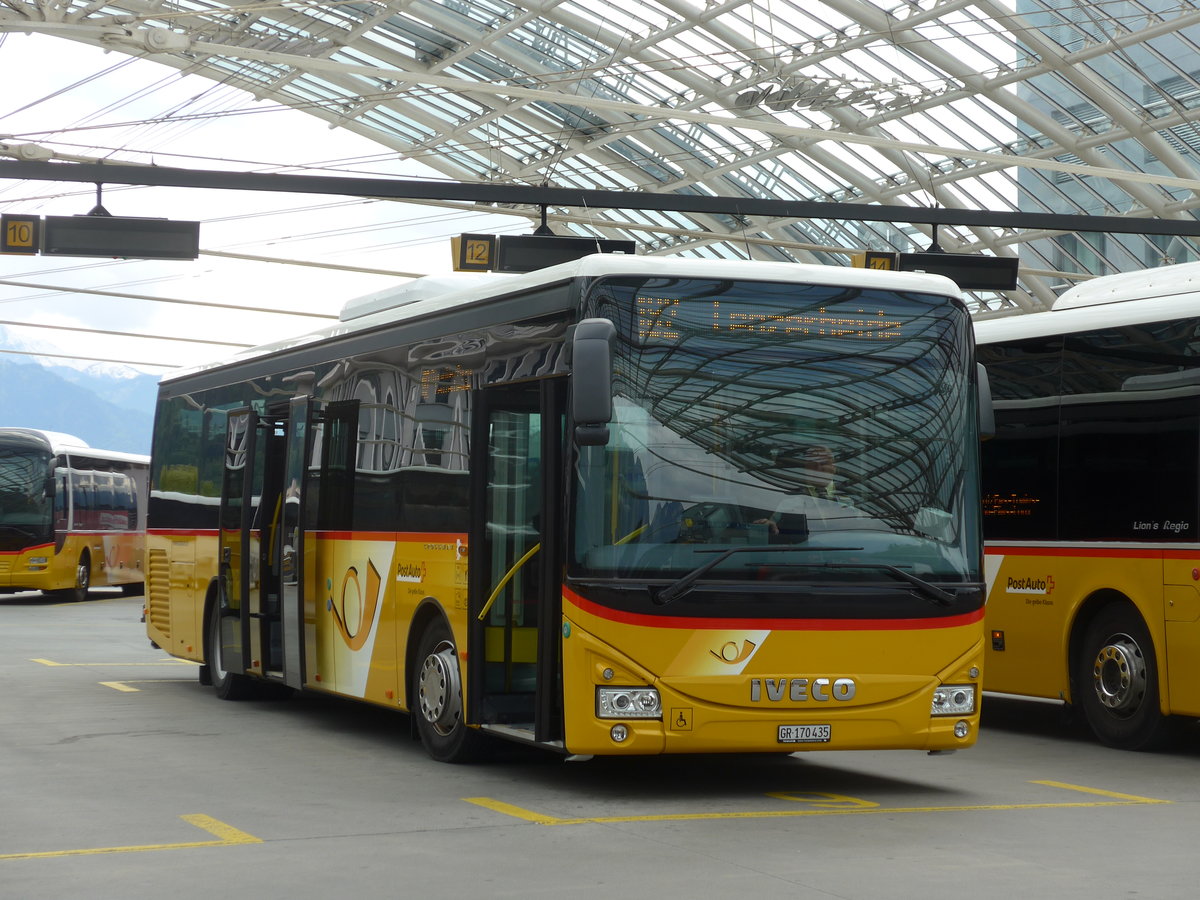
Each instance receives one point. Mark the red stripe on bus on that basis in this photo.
(28, 549)
(431, 537)
(644, 620)
(1097, 552)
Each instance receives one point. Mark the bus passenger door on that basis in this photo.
(261, 542)
(236, 559)
(513, 579)
(298, 451)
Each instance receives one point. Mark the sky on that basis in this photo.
(83, 101)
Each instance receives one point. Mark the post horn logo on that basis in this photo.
(731, 654)
(355, 611)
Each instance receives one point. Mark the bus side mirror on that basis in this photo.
(591, 381)
(50, 487)
(987, 413)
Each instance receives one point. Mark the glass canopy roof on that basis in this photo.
(1043, 106)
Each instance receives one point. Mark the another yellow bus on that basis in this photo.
(1090, 503)
(572, 508)
(71, 516)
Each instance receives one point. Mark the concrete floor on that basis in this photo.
(124, 779)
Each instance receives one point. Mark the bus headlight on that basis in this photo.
(953, 700)
(628, 703)
(38, 561)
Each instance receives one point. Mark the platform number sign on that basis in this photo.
(880, 260)
(20, 234)
(475, 252)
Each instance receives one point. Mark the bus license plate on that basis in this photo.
(805, 734)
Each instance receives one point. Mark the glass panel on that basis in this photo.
(337, 441)
(513, 532)
(293, 500)
(25, 510)
(1020, 465)
(237, 459)
(83, 500)
(755, 416)
(1129, 442)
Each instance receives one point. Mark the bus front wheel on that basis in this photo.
(228, 685)
(437, 698)
(83, 581)
(1117, 680)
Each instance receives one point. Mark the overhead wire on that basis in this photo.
(128, 334)
(76, 357)
(232, 307)
(205, 107)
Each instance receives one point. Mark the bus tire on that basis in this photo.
(1117, 681)
(437, 698)
(228, 685)
(83, 581)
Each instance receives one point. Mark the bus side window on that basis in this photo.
(61, 507)
(339, 466)
(122, 501)
(81, 500)
(1020, 464)
(104, 500)
(1129, 434)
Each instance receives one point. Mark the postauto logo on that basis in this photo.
(1030, 585)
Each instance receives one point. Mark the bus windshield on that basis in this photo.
(781, 433)
(25, 510)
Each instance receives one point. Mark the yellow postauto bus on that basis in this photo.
(71, 516)
(622, 505)
(1090, 503)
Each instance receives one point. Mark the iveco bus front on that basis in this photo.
(775, 540)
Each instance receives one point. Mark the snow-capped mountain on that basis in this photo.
(109, 407)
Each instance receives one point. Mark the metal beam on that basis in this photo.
(407, 189)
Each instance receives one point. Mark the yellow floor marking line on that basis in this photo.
(226, 836)
(120, 686)
(1133, 798)
(168, 661)
(824, 805)
(518, 813)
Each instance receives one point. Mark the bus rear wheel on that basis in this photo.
(437, 702)
(1117, 681)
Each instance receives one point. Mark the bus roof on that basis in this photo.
(482, 285)
(431, 295)
(1150, 295)
(57, 442)
(1165, 281)
(54, 441)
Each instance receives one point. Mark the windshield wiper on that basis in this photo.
(930, 592)
(683, 585)
(924, 588)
